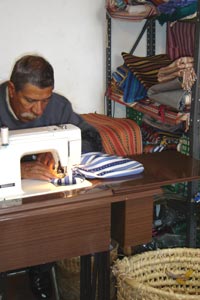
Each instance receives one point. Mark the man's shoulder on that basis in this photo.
(58, 104)
(59, 97)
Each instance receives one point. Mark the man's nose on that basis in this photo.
(37, 108)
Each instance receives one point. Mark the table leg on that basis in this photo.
(104, 275)
(85, 277)
(95, 277)
(3, 286)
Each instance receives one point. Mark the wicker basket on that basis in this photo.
(68, 276)
(167, 274)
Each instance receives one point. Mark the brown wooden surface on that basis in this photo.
(132, 221)
(52, 227)
(49, 234)
(161, 169)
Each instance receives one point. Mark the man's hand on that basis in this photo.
(47, 159)
(42, 168)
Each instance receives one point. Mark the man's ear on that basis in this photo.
(11, 89)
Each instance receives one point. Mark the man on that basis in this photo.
(27, 100)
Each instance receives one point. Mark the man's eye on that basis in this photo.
(29, 100)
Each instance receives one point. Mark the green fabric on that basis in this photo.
(181, 12)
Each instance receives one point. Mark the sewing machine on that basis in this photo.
(64, 142)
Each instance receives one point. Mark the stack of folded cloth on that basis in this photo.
(175, 83)
(163, 81)
(135, 10)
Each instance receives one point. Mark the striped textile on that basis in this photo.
(146, 68)
(149, 10)
(119, 136)
(171, 6)
(158, 2)
(180, 13)
(100, 165)
(67, 180)
(127, 82)
(161, 113)
(177, 44)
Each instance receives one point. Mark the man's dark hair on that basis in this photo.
(34, 70)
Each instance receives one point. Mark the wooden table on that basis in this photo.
(79, 222)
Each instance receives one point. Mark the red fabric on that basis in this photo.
(120, 136)
(180, 39)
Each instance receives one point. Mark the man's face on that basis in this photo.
(30, 102)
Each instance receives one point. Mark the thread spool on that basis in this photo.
(4, 136)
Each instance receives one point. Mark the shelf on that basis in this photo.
(156, 111)
(149, 12)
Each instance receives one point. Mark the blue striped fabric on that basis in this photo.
(99, 165)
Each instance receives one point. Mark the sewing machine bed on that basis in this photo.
(40, 187)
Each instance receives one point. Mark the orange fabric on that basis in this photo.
(119, 136)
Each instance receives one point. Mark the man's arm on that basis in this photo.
(91, 139)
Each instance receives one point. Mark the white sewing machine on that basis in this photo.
(63, 141)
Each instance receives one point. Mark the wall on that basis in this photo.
(71, 35)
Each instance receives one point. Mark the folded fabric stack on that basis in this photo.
(163, 10)
(177, 45)
(159, 86)
(125, 82)
(165, 82)
(131, 10)
(156, 140)
(146, 68)
(176, 80)
(182, 68)
(174, 10)
(163, 113)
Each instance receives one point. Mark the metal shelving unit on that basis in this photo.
(193, 187)
(194, 139)
(150, 28)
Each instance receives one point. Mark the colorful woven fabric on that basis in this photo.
(171, 6)
(146, 68)
(163, 114)
(119, 136)
(183, 68)
(157, 2)
(177, 44)
(132, 12)
(170, 93)
(127, 82)
(180, 13)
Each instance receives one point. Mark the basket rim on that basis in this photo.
(161, 252)
(144, 287)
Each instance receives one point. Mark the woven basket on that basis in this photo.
(167, 274)
(68, 276)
